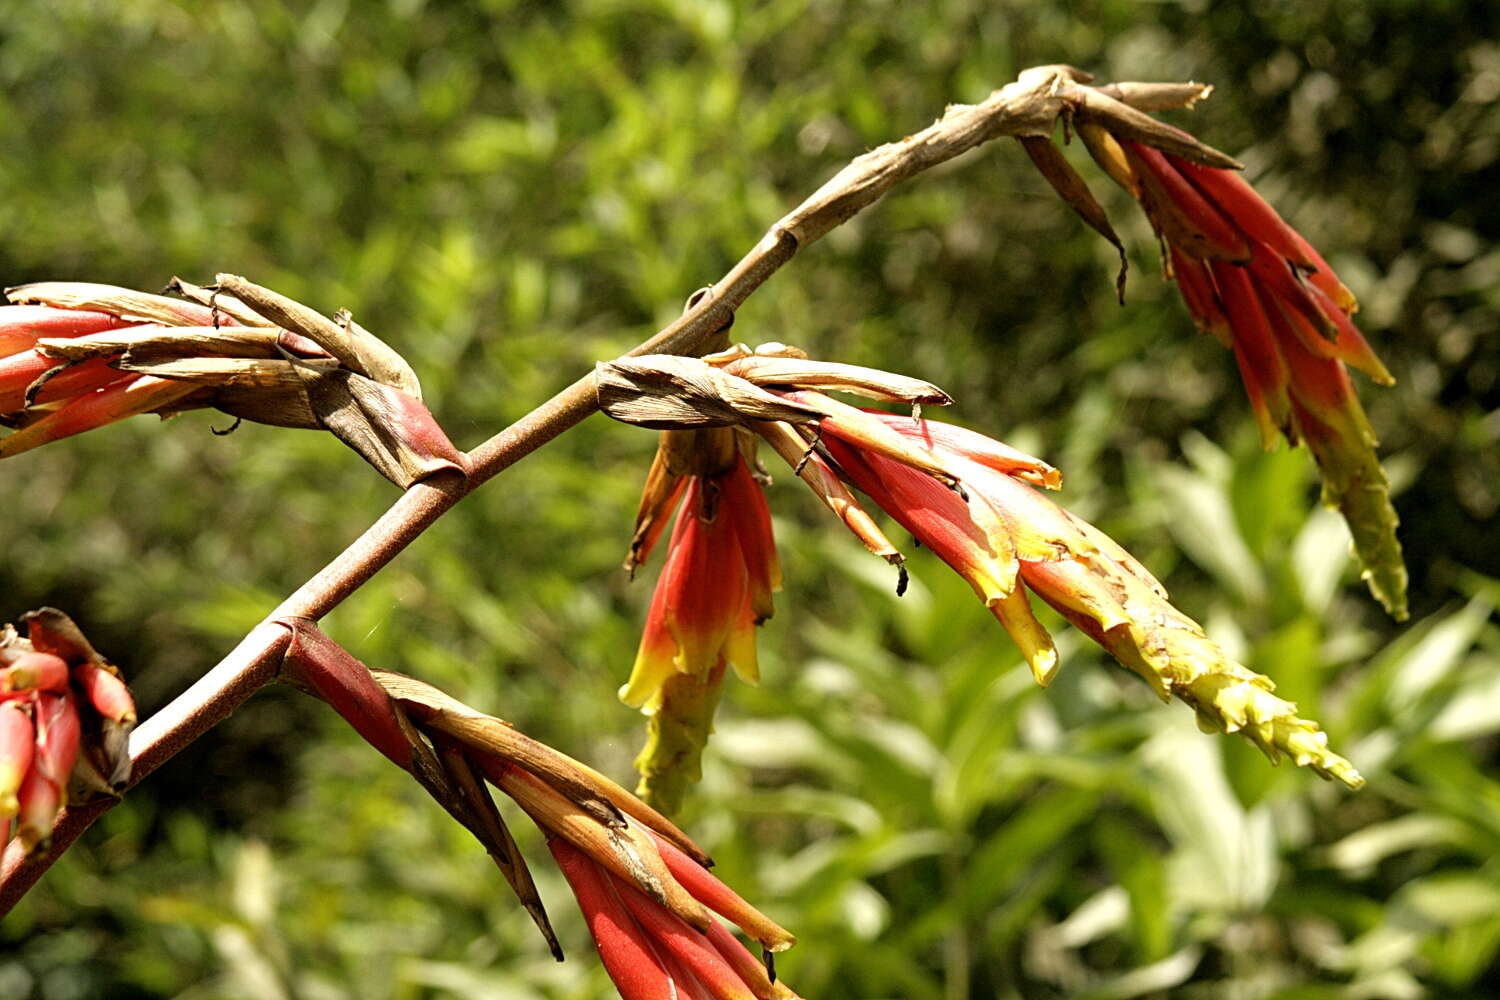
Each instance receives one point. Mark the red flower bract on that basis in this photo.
(650, 952)
(1006, 538)
(1249, 279)
(48, 398)
(716, 585)
(46, 679)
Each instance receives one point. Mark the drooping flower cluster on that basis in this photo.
(720, 572)
(1253, 282)
(644, 887)
(65, 715)
(75, 356)
(974, 502)
(715, 587)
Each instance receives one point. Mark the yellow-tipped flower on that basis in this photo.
(999, 533)
(1253, 282)
(970, 499)
(716, 585)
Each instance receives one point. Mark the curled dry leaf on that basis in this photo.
(1157, 96)
(670, 392)
(496, 837)
(1067, 182)
(803, 373)
(218, 301)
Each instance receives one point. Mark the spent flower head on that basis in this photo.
(75, 356)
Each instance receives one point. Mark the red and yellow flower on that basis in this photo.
(975, 502)
(1253, 282)
(715, 587)
(652, 905)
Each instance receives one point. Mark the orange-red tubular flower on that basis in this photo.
(1006, 539)
(1249, 279)
(17, 746)
(650, 952)
(47, 395)
(716, 585)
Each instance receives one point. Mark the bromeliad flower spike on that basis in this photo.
(1005, 534)
(1253, 282)
(720, 571)
(642, 884)
(715, 587)
(972, 500)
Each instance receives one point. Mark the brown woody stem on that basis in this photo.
(1029, 106)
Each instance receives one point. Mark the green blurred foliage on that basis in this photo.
(508, 191)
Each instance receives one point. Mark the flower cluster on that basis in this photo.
(644, 887)
(974, 502)
(716, 586)
(64, 718)
(720, 572)
(75, 356)
(1253, 282)
(1004, 534)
